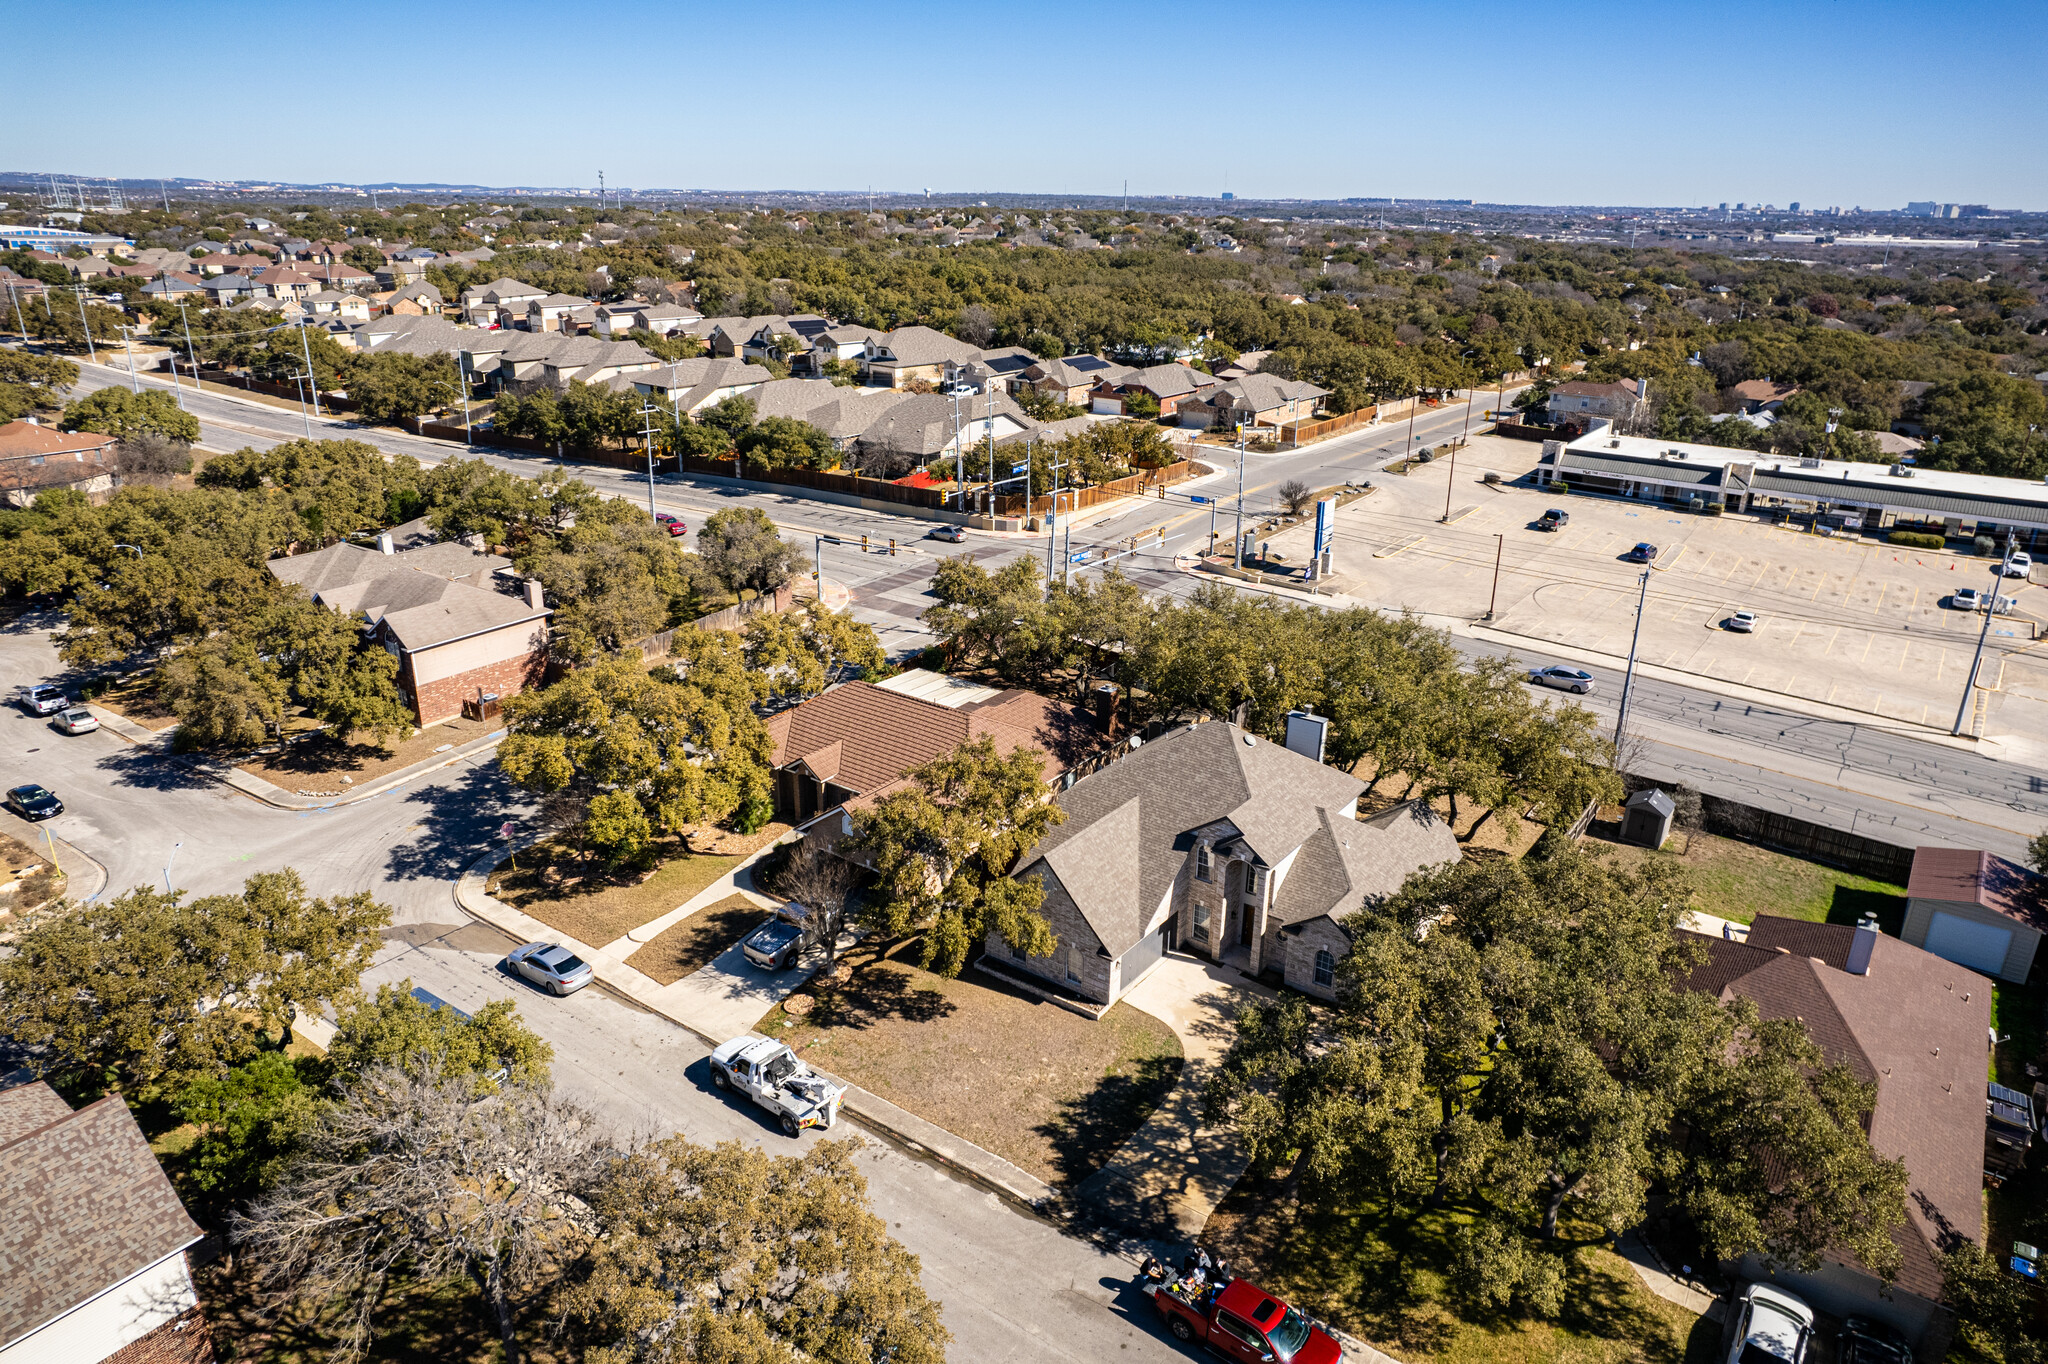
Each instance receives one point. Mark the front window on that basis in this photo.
(1073, 966)
(1289, 1334)
(1255, 881)
(1202, 862)
(1201, 923)
(1326, 967)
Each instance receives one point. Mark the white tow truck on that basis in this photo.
(771, 1075)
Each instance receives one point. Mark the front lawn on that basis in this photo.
(1045, 1089)
(321, 763)
(1389, 1284)
(132, 698)
(555, 884)
(694, 943)
(1739, 881)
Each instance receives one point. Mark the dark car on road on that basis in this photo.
(774, 946)
(1643, 553)
(1555, 519)
(34, 802)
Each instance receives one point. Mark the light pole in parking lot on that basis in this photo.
(1628, 678)
(1990, 610)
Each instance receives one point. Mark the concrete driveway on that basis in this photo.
(728, 997)
(1168, 1178)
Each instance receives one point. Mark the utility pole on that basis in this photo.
(1629, 677)
(1449, 484)
(128, 348)
(1990, 610)
(1052, 524)
(312, 384)
(13, 298)
(1499, 544)
(85, 322)
(1237, 540)
(462, 373)
(189, 354)
(647, 411)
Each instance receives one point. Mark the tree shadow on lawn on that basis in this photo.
(458, 821)
(324, 754)
(1851, 904)
(880, 990)
(1086, 1131)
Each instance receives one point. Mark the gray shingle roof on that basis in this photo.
(423, 596)
(83, 1206)
(924, 346)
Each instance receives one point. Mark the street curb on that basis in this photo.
(257, 789)
(68, 855)
(917, 1137)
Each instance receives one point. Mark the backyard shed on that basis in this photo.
(1646, 819)
(1976, 909)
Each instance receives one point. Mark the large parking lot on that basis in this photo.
(1848, 621)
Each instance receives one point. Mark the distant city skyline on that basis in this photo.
(1591, 105)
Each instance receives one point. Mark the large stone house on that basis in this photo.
(1216, 842)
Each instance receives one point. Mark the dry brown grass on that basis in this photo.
(1043, 1088)
(596, 908)
(134, 698)
(319, 763)
(694, 943)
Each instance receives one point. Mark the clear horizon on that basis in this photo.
(1593, 106)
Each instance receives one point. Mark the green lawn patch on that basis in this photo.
(1734, 880)
(1382, 1275)
(1046, 1089)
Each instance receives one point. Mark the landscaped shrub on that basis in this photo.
(1915, 539)
(1986, 546)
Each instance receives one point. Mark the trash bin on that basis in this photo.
(1646, 818)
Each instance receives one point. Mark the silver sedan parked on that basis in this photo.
(1564, 678)
(78, 720)
(551, 966)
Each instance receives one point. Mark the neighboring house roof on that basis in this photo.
(25, 439)
(923, 424)
(1214, 773)
(503, 291)
(869, 737)
(421, 292)
(1913, 1026)
(422, 596)
(83, 1205)
(1167, 381)
(562, 301)
(407, 335)
(1264, 392)
(924, 346)
(1762, 391)
(1981, 878)
(1077, 371)
(1587, 388)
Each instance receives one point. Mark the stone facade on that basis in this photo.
(1299, 947)
(1078, 962)
(442, 698)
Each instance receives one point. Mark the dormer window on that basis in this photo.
(1202, 861)
(1255, 881)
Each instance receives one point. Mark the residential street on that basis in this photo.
(1014, 1287)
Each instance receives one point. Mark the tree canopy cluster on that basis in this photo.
(1512, 1040)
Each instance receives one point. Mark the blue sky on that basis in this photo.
(1821, 101)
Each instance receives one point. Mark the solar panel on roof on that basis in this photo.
(2007, 1096)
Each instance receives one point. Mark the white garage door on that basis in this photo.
(1980, 947)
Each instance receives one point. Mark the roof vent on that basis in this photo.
(1614, 445)
(1247, 741)
(1809, 464)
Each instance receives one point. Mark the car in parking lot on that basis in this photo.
(33, 802)
(551, 966)
(672, 524)
(1643, 553)
(2020, 565)
(1965, 599)
(42, 699)
(1565, 678)
(77, 720)
(1557, 518)
(1767, 1325)
(774, 946)
(950, 534)
(1742, 622)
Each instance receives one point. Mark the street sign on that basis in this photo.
(506, 830)
(1018, 468)
(1193, 498)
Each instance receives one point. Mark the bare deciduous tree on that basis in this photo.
(977, 325)
(414, 1176)
(1297, 496)
(820, 883)
(151, 459)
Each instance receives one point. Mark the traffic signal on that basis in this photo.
(892, 547)
(863, 544)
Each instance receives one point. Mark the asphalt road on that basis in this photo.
(1014, 1287)
(1869, 778)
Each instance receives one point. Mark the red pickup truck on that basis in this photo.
(1243, 1322)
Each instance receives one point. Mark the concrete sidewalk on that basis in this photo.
(227, 774)
(1168, 1178)
(920, 1138)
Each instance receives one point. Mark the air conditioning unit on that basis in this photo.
(1809, 464)
(1903, 471)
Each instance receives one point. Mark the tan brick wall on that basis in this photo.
(1301, 948)
(1073, 934)
(185, 1340)
(442, 699)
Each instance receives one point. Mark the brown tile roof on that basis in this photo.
(870, 736)
(1803, 938)
(83, 1205)
(33, 438)
(1981, 877)
(1763, 391)
(1915, 1026)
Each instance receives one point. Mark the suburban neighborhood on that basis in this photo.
(867, 774)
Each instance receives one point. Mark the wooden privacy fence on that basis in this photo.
(1012, 504)
(1301, 433)
(1851, 852)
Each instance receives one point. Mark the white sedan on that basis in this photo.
(2020, 565)
(551, 966)
(78, 720)
(1743, 622)
(952, 535)
(1565, 679)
